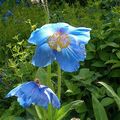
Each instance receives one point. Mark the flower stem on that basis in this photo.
(59, 82)
(38, 112)
(46, 9)
(49, 83)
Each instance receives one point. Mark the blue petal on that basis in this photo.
(39, 98)
(42, 100)
(13, 92)
(69, 57)
(67, 61)
(27, 89)
(40, 36)
(43, 56)
(78, 50)
(53, 98)
(81, 34)
(24, 101)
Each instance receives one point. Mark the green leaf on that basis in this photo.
(91, 47)
(110, 89)
(104, 55)
(85, 73)
(42, 75)
(115, 73)
(118, 54)
(112, 44)
(112, 61)
(116, 66)
(72, 87)
(118, 91)
(98, 109)
(61, 113)
(12, 117)
(90, 56)
(98, 64)
(81, 108)
(107, 101)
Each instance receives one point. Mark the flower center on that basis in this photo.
(58, 41)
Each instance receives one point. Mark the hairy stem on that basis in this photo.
(59, 82)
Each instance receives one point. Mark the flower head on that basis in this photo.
(34, 93)
(61, 42)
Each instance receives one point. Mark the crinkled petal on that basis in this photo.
(81, 34)
(41, 35)
(43, 56)
(27, 89)
(24, 93)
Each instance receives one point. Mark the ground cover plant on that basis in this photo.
(92, 92)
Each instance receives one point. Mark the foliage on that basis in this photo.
(102, 62)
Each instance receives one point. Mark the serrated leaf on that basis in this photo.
(98, 109)
(61, 113)
(110, 89)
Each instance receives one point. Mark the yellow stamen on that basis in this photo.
(58, 41)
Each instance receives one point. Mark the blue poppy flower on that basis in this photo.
(61, 42)
(33, 93)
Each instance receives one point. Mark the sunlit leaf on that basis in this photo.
(61, 113)
(110, 89)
